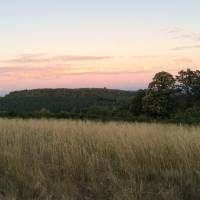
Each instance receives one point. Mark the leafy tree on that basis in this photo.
(162, 81)
(189, 85)
(157, 104)
(186, 80)
(158, 100)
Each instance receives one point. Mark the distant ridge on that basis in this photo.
(62, 99)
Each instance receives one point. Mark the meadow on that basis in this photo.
(83, 160)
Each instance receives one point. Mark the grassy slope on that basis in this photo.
(86, 160)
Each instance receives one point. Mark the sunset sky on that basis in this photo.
(95, 43)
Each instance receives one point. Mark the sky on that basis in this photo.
(91, 43)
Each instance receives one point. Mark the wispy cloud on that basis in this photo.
(183, 60)
(175, 30)
(42, 58)
(45, 67)
(192, 36)
(144, 57)
(186, 47)
(36, 66)
(42, 72)
(57, 72)
(180, 33)
(31, 72)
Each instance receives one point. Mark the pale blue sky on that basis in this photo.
(50, 21)
(168, 32)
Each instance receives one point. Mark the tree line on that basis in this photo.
(168, 98)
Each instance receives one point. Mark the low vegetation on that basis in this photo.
(82, 160)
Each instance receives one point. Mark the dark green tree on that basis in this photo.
(189, 85)
(162, 81)
(158, 100)
(136, 103)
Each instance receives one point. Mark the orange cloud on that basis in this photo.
(41, 58)
(88, 80)
(60, 71)
(186, 47)
(183, 60)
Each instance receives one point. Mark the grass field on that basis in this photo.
(75, 160)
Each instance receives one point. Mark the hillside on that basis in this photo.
(58, 100)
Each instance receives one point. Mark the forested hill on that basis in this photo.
(63, 100)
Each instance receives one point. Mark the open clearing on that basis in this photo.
(77, 160)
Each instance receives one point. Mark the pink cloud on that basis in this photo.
(91, 80)
(59, 71)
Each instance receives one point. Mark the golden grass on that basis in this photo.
(77, 160)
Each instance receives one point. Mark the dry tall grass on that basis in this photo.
(75, 160)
